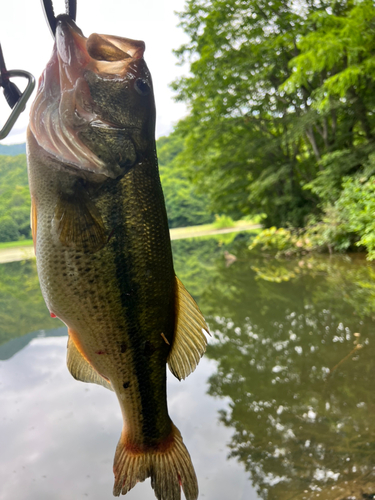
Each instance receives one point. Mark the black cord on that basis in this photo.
(11, 92)
(50, 15)
(71, 8)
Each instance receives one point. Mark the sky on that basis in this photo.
(27, 44)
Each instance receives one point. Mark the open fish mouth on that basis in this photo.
(64, 109)
(100, 53)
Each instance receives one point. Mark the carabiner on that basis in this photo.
(21, 103)
(15, 98)
(70, 8)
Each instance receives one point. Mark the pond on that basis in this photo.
(281, 406)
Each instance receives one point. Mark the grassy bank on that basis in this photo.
(16, 244)
(176, 233)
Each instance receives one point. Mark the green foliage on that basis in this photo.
(349, 222)
(357, 208)
(282, 101)
(20, 243)
(14, 199)
(223, 221)
(329, 233)
(185, 207)
(341, 45)
(273, 239)
(255, 219)
(8, 229)
(336, 60)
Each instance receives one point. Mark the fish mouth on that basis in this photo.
(64, 106)
(99, 53)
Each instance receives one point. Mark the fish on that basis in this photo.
(103, 249)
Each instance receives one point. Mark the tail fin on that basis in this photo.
(169, 469)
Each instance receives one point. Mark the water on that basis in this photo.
(280, 408)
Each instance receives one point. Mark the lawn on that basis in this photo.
(21, 243)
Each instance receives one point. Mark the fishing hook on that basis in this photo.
(14, 97)
(70, 9)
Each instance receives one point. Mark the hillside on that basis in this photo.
(12, 149)
(184, 206)
(14, 199)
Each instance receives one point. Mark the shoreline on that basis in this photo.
(18, 253)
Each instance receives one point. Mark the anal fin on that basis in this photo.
(81, 369)
(189, 341)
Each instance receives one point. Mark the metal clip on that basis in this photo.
(70, 8)
(21, 103)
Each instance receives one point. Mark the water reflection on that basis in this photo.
(22, 308)
(291, 375)
(58, 436)
(294, 346)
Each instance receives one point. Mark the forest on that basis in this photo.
(185, 206)
(281, 101)
(14, 199)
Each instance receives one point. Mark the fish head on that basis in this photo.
(94, 110)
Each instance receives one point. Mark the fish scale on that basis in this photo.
(103, 248)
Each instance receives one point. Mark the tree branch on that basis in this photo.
(311, 137)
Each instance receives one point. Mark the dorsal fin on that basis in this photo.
(189, 341)
(81, 369)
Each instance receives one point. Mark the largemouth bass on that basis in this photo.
(103, 249)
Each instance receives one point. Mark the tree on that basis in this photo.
(14, 199)
(262, 127)
(184, 206)
(8, 229)
(337, 62)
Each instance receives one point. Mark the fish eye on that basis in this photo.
(142, 87)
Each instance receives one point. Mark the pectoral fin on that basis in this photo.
(189, 341)
(81, 369)
(78, 222)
